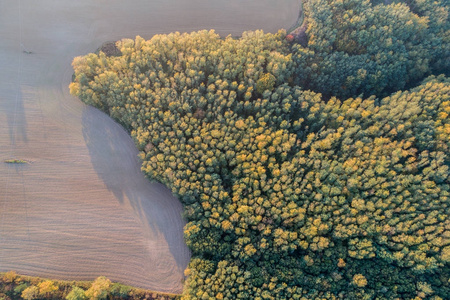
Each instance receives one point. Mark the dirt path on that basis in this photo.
(82, 208)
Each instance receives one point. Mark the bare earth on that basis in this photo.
(82, 208)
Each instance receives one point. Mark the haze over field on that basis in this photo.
(81, 208)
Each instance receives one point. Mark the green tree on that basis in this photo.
(76, 293)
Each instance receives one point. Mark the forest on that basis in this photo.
(315, 170)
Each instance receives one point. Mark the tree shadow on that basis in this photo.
(15, 114)
(107, 155)
(114, 158)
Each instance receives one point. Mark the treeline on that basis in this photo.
(289, 194)
(14, 286)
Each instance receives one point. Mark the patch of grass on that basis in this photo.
(16, 161)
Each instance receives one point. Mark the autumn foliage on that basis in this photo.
(286, 195)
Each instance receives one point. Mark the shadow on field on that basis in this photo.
(114, 158)
(15, 116)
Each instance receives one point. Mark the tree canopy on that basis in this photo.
(287, 195)
(358, 48)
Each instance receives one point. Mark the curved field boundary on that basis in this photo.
(83, 208)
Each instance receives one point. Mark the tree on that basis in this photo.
(359, 280)
(99, 289)
(30, 293)
(46, 288)
(76, 293)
